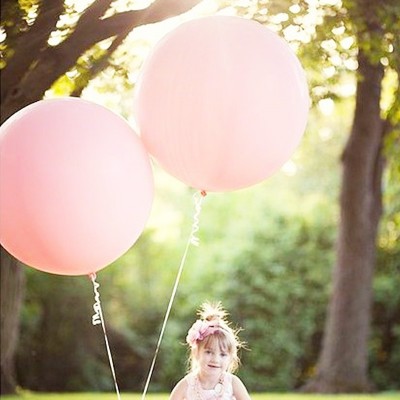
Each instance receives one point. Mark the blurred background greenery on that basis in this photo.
(265, 252)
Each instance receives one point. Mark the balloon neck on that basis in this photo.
(92, 276)
(203, 193)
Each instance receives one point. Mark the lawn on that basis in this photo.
(258, 396)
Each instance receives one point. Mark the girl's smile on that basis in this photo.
(213, 359)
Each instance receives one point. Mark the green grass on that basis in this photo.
(259, 396)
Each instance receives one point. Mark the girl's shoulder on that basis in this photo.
(179, 391)
(239, 389)
(190, 379)
(231, 378)
(228, 377)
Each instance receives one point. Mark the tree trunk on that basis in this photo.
(12, 285)
(343, 362)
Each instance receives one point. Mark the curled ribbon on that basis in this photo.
(96, 318)
(198, 198)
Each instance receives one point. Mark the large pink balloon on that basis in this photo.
(221, 103)
(76, 186)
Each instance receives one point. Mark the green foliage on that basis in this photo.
(57, 339)
(280, 291)
(385, 338)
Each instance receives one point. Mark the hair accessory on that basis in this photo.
(200, 330)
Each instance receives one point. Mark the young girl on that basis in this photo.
(213, 348)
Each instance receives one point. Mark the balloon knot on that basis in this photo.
(203, 193)
(92, 276)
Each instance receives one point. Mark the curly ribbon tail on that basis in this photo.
(198, 198)
(97, 319)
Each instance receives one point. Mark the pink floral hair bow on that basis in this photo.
(200, 330)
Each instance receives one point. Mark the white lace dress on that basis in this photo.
(222, 391)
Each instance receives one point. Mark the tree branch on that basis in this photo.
(95, 11)
(29, 44)
(12, 20)
(56, 61)
(102, 63)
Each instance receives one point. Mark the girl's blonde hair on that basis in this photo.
(213, 328)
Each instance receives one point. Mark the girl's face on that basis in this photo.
(212, 359)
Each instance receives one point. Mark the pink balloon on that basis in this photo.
(221, 103)
(76, 186)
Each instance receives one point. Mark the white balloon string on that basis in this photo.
(198, 198)
(198, 201)
(98, 319)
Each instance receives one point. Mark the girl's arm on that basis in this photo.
(239, 390)
(179, 391)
